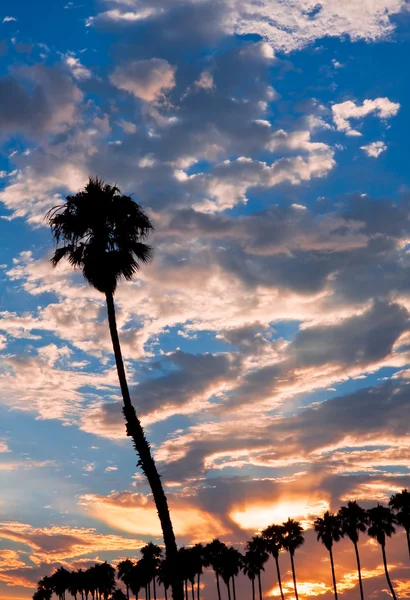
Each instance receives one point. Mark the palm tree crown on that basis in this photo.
(400, 504)
(353, 520)
(328, 529)
(102, 233)
(381, 523)
(293, 536)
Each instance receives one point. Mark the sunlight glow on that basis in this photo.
(258, 516)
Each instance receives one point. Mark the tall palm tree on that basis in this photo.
(163, 576)
(329, 530)
(252, 567)
(354, 520)
(137, 578)
(257, 547)
(59, 582)
(381, 523)
(292, 540)
(233, 564)
(198, 564)
(273, 536)
(124, 569)
(151, 557)
(400, 504)
(213, 557)
(102, 232)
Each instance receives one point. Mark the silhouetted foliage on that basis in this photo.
(381, 524)
(354, 520)
(329, 530)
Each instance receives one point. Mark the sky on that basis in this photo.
(267, 345)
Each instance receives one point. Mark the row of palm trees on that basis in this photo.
(152, 569)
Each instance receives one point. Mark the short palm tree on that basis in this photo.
(273, 536)
(198, 564)
(400, 504)
(213, 557)
(329, 530)
(354, 520)
(102, 232)
(124, 569)
(292, 540)
(252, 567)
(381, 524)
(163, 576)
(260, 555)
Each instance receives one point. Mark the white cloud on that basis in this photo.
(9, 19)
(374, 149)
(145, 79)
(343, 112)
(77, 69)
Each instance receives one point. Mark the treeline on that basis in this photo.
(145, 575)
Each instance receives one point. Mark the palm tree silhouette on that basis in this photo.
(198, 563)
(213, 556)
(124, 569)
(102, 233)
(44, 589)
(233, 565)
(400, 504)
(354, 520)
(163, 576)
(257, 547)
(273, 536)
(59, 582)
(151, 557)
(252, 567)
(329, 530)
(381, 523)
(292, 540)
(118, 595)
(137, 579)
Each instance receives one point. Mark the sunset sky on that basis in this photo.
(268, 344)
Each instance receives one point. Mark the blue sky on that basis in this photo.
(267, 345)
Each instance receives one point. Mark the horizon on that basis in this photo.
(266, 344)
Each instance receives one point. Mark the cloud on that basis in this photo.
(9, 19)
(343, 112)
(374, 149)
(145, 79)
(77, 69)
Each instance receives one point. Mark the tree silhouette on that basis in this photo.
(59, 582)
(163, 576)
(151, 558)
(118, 595)
(400, 504)
(252, 567)
(137, 579)
(381, 523)
(354, 520)
(329, 530)
(102, 232)
(198, 563)
(213, 556)
(124, 569)
(292, 540)
(273, 536)
(257, 547)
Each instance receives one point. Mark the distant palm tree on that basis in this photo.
(44, 589)
(151, 557)
(273, 536)
(163, 576)
(381, 523)
(137, 579)
(252, 567)
(400, 504)
(354, 520)
(198, 563)
(118, 595)
(233, 561)
(213, 553)
(74, 584)
(124, 569)
(257, 547)
(292, 540)
(102, 232)
(59, 582)
(329, 530)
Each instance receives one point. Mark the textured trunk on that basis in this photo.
(359, 570)
(233, 587)
(198, 588)
(387, 573)
(218, 587)
(260, 585)
(294, 575)
(253, 589)
(333, 572)
(279, 578)
(146, 461)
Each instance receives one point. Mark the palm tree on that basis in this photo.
(400, 504)
(232, 566)
(124, 569)
(292, 540)
(151, 557)
(213, 553)
(198, 563)
(59, 582)
(329, 530)
(118, 595)
(381, 523)
(137, 578)
(163, 576)
(44, 589)
(252, 567)
(102, 233)
(273, 536)
(257, 547)
(354, 520)
(74, 584)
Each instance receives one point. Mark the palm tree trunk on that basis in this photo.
(359, 571)
(333, 572)
(279, 578)
(218, 587)
(387, 573)
(192, 590)
(166, 594)
(186, 589)
(146, 461)
(260, 585)
(155, 589)
(294, 576)
(128, 591)
(253, 589)
(233, 587)
(228, 587)
(198, 588)
(408, 539)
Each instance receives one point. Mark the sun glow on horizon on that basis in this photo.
(258, 516)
